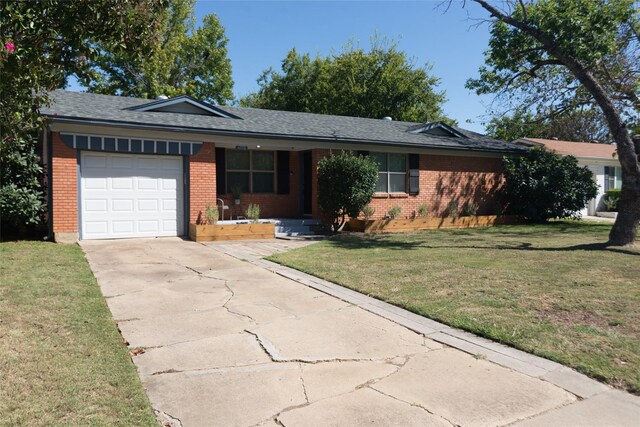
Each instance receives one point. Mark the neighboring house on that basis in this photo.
(599, 158)
(129, 167)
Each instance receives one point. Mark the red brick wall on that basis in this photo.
(273, 205)
(64, 186)
(444, 179)
(202, 181)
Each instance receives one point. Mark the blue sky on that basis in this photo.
(262, 32)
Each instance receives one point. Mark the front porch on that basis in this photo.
(281, 182)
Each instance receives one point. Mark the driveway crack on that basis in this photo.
(167, 420)
(413, 404)
(304, 386)
(200, 273)
(229, 310)
(272, 353)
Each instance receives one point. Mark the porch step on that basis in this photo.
(296, 227)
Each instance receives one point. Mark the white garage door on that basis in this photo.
(130, 195)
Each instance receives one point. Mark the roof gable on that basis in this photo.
(183, 104)
(438, 128)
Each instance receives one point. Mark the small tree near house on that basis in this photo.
(346, 184)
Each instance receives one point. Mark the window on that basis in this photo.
(613, 176)
(251, 171)
(392, 172)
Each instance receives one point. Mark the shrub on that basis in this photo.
(368, 211)
(211, 214)
(346, 184)
(21, 195)
(253, 212)
(452, 209)
(471, 209)
(612, 199)
(423, 211)
(542, 185)
(394, 212)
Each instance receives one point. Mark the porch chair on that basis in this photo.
(223, 208)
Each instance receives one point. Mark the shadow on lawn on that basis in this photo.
(383, 242)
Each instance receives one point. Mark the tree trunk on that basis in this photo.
(625, 229)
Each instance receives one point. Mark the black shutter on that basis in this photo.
(283, 172)
(414, 174)
(221, 172)
(363, 153)
(606, 178)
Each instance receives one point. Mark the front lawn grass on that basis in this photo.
(551, 290)
(62, 359)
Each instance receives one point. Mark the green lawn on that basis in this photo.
(550, 289)
(62, 359)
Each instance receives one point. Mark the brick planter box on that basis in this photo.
(207, 233)
(399, 225)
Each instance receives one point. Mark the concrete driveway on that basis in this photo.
(228, 343)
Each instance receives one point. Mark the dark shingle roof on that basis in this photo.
(89, 107)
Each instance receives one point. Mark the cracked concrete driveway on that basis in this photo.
(228, 343)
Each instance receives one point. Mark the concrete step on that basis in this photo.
(296, 227)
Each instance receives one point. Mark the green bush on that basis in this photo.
(21, 195)
(453, 210)
(346, 184)
(368, 211)
(423, 211)
(612, 199)
(253, 212)
(394, 212)
(211, 214)
(542, 185)
(470, 209)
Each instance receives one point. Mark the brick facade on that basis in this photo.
(446, 179)
(443, 179)
(64, 187)
(202, 181)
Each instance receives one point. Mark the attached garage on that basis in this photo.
(130, 195)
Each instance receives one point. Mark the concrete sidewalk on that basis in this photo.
(229, 342)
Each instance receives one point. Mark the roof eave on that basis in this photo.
(221, 132)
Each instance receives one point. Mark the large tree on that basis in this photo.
(584, 125)
(42, 44)
(556, 55)
(376, 83)
(187, 60)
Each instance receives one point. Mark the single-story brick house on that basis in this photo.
(599, 158)
(129, 167)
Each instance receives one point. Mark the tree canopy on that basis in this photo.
(43, 43)
(586, 125)
(187, 60)
(376, 83)
(551, 56)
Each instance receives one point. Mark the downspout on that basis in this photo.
(48, 147)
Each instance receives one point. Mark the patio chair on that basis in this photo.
(223, 208)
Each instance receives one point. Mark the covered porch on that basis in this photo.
(281, 180)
